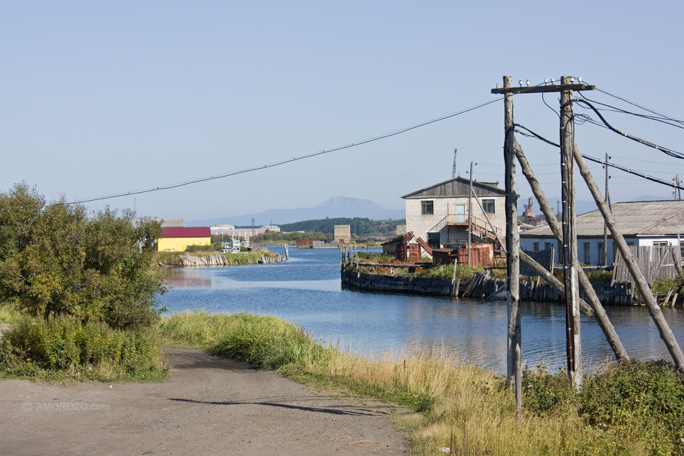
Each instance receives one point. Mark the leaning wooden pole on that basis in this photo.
(542, 272)
(641, 283)
(593, 300)
(512, 255)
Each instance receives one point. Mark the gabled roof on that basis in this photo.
(640, 218)
(457, 188)
(186, 232)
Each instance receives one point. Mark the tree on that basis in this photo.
(54, 260)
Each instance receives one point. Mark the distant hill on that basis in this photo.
(335, 207)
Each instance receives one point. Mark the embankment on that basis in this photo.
(482, 286)
(183, 260)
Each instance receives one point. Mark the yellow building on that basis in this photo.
(177, 239)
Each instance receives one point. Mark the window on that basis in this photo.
(587, 253)
(601, 257)
(427, 207)
(488, 205)
(547, 246)
(536, 246)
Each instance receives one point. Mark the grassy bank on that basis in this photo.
(634, 409)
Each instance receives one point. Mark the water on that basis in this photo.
(307, 292)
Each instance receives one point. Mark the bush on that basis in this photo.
(545, 393)
(94, 350)
(56, 261)
(646, 397)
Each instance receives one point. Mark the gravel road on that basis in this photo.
(210, 406)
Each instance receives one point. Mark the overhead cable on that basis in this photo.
(288, 160)
(665, 150)
(597, 160)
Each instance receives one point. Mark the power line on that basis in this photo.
(641, 107)
(289, 160)
(665, 120)
(597, 160)
(665, 150)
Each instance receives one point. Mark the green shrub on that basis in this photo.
(645, 397)
(91, 349)
(56, 260)
(544, 392)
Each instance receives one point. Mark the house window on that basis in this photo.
(587, 253)
(547, 246)
(488, 205)
(536, 246)
(601, 257)
(427, 207)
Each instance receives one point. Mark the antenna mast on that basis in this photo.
(453, 170)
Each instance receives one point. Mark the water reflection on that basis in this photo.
(307, 292)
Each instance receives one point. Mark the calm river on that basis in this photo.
(307, 292)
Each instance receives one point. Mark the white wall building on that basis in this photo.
(643, 223)
(439, 214)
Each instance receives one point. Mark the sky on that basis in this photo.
(110, 97)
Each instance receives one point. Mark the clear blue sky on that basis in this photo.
(113, 96)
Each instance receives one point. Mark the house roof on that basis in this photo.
(641, 218)
(186, 232)
(457, 188)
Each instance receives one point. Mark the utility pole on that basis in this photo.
(567, 141)
(453, 170)
(470, 210)
(605, 226)
(572, 313)
(514, 350)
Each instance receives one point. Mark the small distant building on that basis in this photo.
(221, 229)
(175, 222)
(342, 234)
(177, 239)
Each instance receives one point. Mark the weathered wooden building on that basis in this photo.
(439, 214)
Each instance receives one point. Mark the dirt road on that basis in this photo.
(209, 406)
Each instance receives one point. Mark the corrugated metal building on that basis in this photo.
(642, 223)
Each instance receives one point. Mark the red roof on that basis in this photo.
(186, 232)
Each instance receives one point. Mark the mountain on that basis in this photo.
(337, 206)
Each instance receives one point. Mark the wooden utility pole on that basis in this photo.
(567, 139)
(605, 227)
(572, 314)
(470, 211)
(514, 340)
